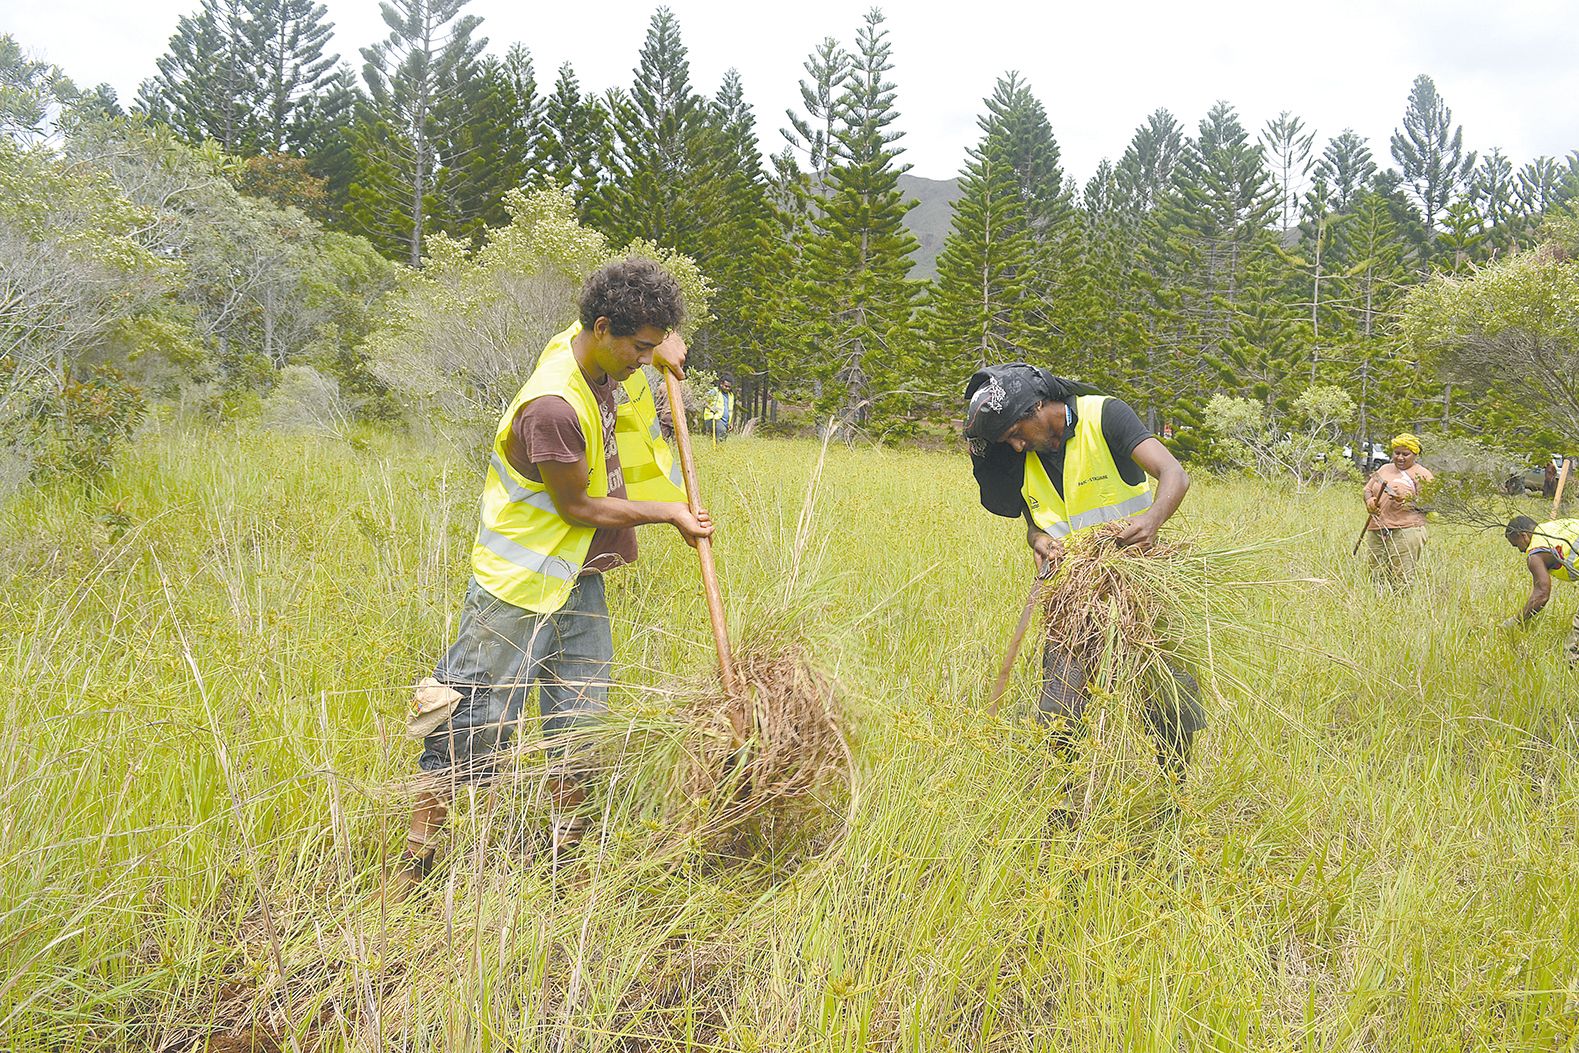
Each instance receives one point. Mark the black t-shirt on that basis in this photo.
(1123, 431)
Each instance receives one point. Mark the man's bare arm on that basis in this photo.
(1540, 590)
(1172, 484)
(567, 485)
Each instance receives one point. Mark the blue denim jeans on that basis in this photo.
(1173, 712)
(500, 652)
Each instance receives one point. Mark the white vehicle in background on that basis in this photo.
(1376, 455)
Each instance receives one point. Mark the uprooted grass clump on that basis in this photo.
(773, 754)
(1127, 615)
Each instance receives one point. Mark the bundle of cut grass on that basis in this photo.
(1104, 599)
(1128, 615)
(794, 762)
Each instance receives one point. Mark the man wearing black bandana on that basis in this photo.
(1066, 458)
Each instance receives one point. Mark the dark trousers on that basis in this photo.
(1173, 712)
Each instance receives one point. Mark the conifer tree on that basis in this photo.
(748, 261)
(427, 59)
(1463, 238)
(574, 129)
(1215, 215)
(1371, 255)
(206, 87)
(1430, 153)
(1493, 192)
(980, 306)
(490, 131)
(244, 73)
(1097, 311)
(856, 291)
(1311, 257)
(812, 133)
(288, 38)
(989, 302)
(1115, 312)
(664, 186)
(1287, 145)
(1346, 166)
(1540, 186)
(1146, 168)
(327, 136)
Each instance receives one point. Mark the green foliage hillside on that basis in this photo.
(928, 222)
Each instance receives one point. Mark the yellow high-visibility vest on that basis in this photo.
(1094, 492)
(1559, 537)
(650, 470)
(526, 553)
(720, 405)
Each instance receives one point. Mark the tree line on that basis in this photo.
(1206, 258)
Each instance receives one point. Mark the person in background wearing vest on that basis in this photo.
(1065, 458)
(1395, 533)
(555, 516)
(719, 409)
(1549, 553)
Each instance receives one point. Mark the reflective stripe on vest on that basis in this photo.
(525, 552)
(525, 558)
(537, 499)
(1094, 492)
(1559, 537)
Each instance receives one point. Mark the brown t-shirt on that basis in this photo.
(547, 429)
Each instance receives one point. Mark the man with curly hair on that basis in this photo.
(555, 517)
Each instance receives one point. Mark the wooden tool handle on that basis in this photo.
(704, 547)
(1015, 641)
(1562, 480)
(1361, 539)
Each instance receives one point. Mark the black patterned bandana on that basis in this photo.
(999, 397)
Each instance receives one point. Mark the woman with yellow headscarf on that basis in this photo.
(1395, 531)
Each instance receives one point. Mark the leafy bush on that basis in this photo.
(461, 335)
(1511, 326)
(306, 402)
(1468, 465)
(72, 430)
(1245, 436)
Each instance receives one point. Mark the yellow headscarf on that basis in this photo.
(1408, 442)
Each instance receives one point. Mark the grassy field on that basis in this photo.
(203, 773)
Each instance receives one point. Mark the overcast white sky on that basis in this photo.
(1509, 70)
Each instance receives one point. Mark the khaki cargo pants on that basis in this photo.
(1395, 554)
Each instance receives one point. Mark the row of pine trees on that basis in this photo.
(1204, 259)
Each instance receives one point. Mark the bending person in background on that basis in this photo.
(555, 516)
(1065, 458)
(1548, 553)
(1395, 533)
(720, 409)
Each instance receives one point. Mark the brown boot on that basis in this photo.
(410, 871)
(566, 825)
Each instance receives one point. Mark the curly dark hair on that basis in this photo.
(630, 294)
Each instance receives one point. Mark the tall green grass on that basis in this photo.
(203, 774)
